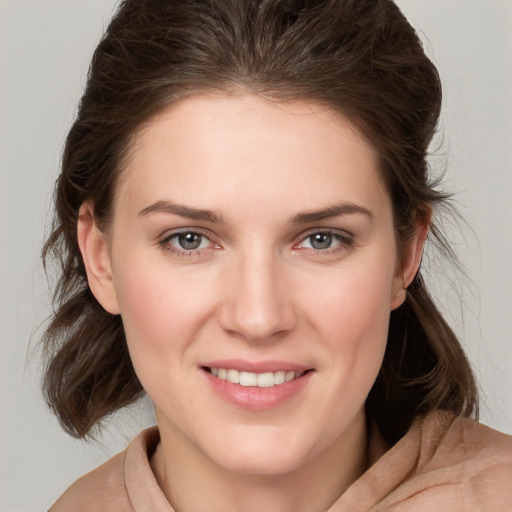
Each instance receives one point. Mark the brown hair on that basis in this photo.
(358, 57)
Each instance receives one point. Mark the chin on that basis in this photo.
(275, 465)
(265, 455)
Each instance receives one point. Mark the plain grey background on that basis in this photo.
(45, 47)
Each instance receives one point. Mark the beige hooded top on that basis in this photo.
(443, 463)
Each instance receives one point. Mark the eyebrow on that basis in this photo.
(183, 211)
(307, 217)
(331, 211)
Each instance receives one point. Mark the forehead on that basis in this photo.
(210, 146)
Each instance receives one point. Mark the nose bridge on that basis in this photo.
(258, 306)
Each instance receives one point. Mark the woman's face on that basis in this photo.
(253, 241)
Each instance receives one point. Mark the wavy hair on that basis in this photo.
(358, 57)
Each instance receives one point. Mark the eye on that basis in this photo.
(320, 241)
(325, 241)
(187, 242)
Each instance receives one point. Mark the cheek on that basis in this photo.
(141, 297)
(155, 323)
(353, 314)
(156, 302)
(154, 317)
(356, 299)
(164, 311)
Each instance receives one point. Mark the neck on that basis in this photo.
(192, 481)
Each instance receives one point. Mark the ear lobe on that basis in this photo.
(95, 254)
(410, 264)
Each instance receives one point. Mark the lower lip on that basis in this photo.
(254, 398)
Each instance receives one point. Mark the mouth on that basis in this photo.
(260, 380)
(257, 386)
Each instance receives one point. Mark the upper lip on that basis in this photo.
(244, 365)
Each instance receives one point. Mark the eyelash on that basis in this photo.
(345, 241)
(165, 243)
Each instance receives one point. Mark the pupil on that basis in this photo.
(321, 241)
(189, 241)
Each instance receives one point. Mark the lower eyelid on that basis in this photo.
(341, 239)
(167, 244)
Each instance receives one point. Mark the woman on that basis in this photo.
(241, 214)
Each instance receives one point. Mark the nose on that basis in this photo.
(258, 305)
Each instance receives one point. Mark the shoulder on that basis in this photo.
(106, 488)
(443, 462)
(459, 463)
(450, 441)
(101, 489)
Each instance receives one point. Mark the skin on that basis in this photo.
(257, 288)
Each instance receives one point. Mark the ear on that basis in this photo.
(411, 260)
(95, 254)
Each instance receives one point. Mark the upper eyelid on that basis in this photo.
(331, 231)
(165, 242)
(169, 234)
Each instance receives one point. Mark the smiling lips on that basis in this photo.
(257, 386)
(250, 379)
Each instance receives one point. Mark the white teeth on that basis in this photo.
(261, 380)
(279, 377)
(248, 379)
(266, 380)
(233, 376)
